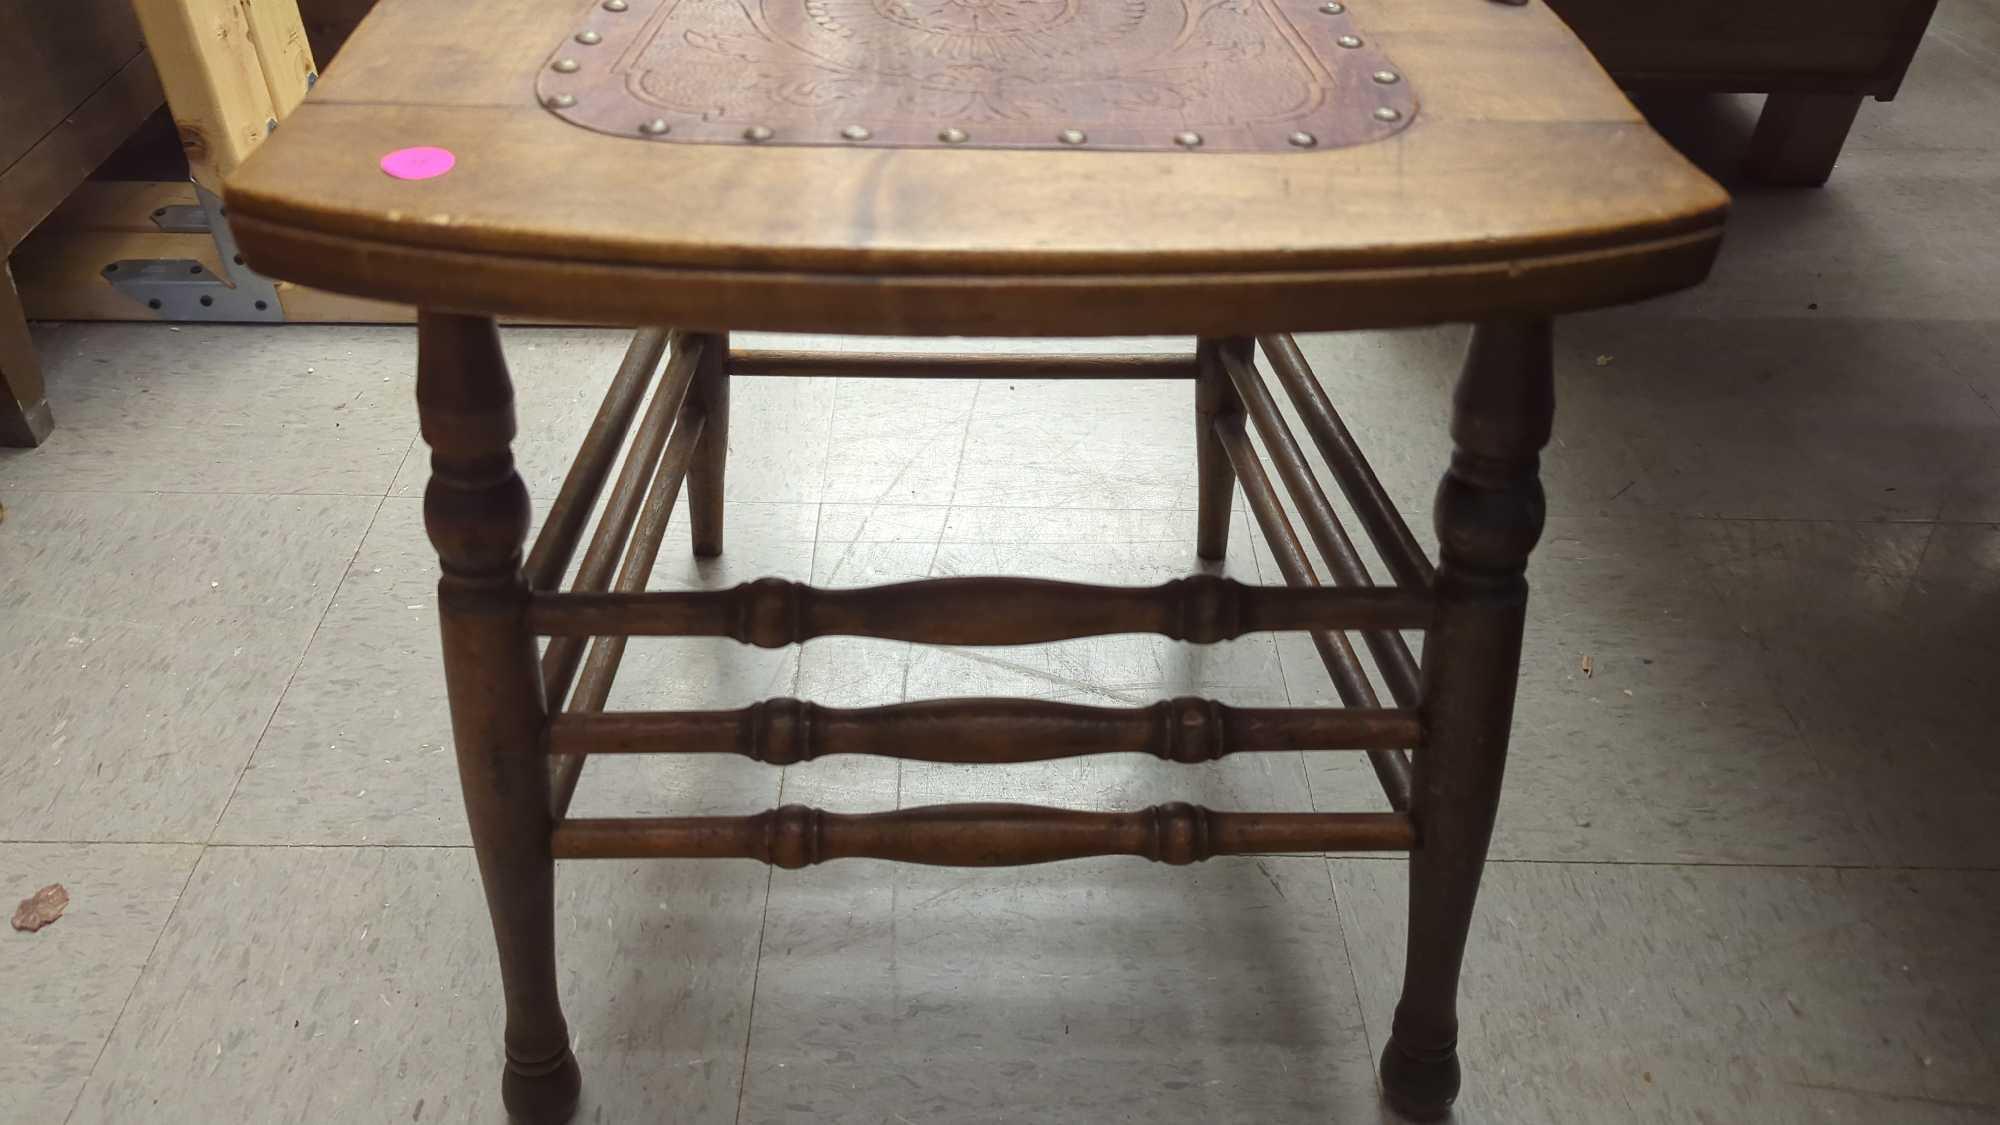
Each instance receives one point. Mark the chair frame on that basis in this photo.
(525, 723)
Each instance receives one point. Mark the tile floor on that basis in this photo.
(1746, 868)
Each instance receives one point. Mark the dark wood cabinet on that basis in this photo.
(75, 80)
(1818, 59)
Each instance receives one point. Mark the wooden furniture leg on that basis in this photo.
(24, 407)
(476, 510)
(1489, 514)
(1798, 138)
(710, 395)
(1325, 186)
(1215, 490)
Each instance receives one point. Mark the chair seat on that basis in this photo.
(1503, 174)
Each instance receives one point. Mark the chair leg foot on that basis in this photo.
(1419, 1087)
(542, 1094)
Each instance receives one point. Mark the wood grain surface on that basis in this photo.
(1527, 182)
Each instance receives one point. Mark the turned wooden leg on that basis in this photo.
(1798, 138)
(476, 510)
(710, 390)
(24, 410)
(1215, 487)
(1489, 514)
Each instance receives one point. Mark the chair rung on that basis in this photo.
(964, 365)
(611, 541)
(774, 612)
(592, 466)
(1399, 549)
(600, 668)
(983, 731)
(1392, 766)
(1392, 655)
(980, 835)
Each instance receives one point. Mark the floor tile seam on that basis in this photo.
(50, 842)
(1353, 975)
(1707, 864)
(38, 490)
(756, 976)
(138, 978)
(291, 677)
(771, 872)
(1491, 861)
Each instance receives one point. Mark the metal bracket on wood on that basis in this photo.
(184, 289)
(181, 218)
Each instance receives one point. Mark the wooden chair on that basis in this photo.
(1017, 167)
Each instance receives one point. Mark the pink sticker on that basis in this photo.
(421, 163)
